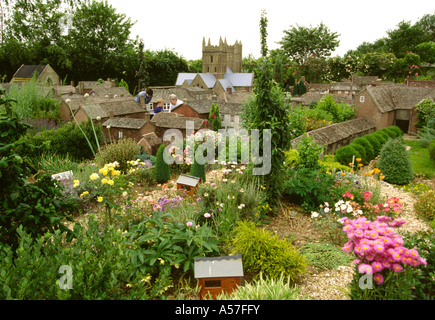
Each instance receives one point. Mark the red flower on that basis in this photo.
(213, 116)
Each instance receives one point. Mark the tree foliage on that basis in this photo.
(300, 42)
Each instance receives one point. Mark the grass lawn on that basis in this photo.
(421, 162)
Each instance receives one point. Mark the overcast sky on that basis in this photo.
(181, 25)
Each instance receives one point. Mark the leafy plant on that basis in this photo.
(425, 205)
(264, 288)
(162, 244)
(370, 152)
(265, 252)
(309, 153)
(346, 154)
(395, 162)
(39, 207)
(120, 151)
(214, 117)
(162, 170)
(325, 255)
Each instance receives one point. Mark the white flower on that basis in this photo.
(314, 214)
(326, 209)
(86, 95)
(98, 118)
(68, 101)
(108, 127)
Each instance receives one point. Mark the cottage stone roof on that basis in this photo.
(111, 92)
(175, 121)
(309, 97)
(125, 123)
(27, 71)
(338, 131)
(119, 107)
(394, 97)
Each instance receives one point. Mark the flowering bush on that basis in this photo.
(105, 187)
(380, 251)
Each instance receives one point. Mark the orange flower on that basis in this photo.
(358, 159)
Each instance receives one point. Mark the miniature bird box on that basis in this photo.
(188, 183)
(218, 274)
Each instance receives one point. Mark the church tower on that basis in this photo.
(216, 59)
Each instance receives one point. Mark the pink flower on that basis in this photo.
(189, 224)
(367, 196)
(365, 268)
(207, 215)
(397, 267)
(379, 278)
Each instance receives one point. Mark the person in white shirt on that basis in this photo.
(174, 102)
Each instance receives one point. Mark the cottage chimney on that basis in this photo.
(72, 83)
(147, 116)
(142, 100)
(110, 114)
(113, 84)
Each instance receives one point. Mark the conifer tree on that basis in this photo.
(162, 170)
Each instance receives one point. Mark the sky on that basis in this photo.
(180, 26)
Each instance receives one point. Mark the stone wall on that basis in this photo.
(339, 134)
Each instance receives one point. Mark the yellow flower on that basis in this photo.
(85, 193)
(104, 171)
(110, 182)
(104, 181)
(116, 172)
(100, 199)
(76, 183)
(94, 176)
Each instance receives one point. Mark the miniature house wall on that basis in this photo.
(188, 183)
(218, 274)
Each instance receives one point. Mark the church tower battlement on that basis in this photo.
(217, 58)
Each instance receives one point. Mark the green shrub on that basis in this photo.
(198, 170)
(308, 153)
(263, 288)
(121, 151)
(370, 152)
(162, 170)
(389, 132)
(426, 111)
(40, 206)
(375, 143)
(381, 138)
(309, 188)
(424, 243)
(425, 205)
(330, 165)
(64, 140)
(325, 255)
(291, 157)
(97, 257)
(384, 134)
(344, 155)
(398, 132)
(265, 252)
(361, 151)
(395, 162)
(432, 150)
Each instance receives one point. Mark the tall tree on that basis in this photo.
(299, 43)
(265, 111)
(163, 67)
(99, 43)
